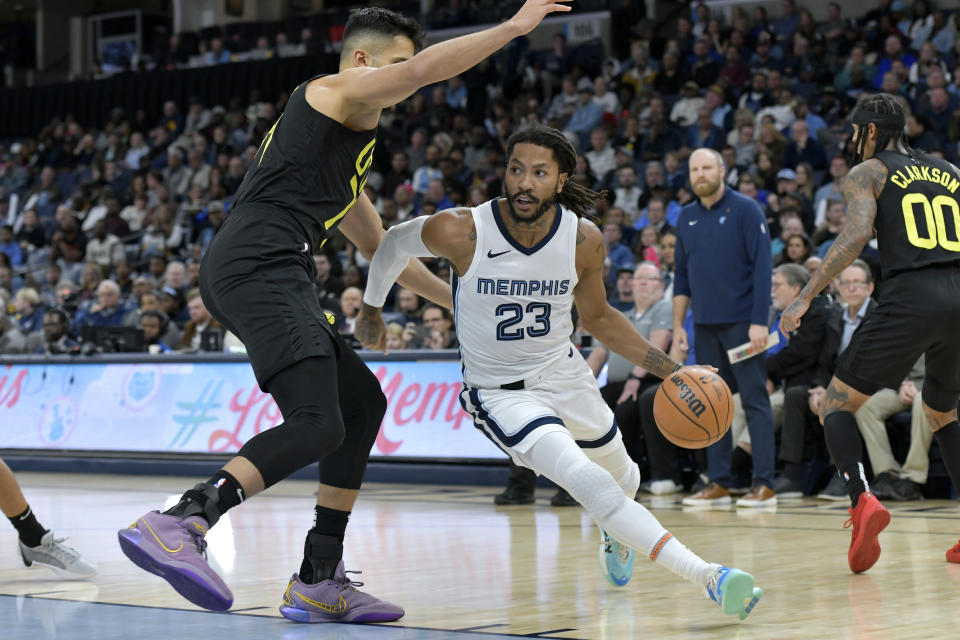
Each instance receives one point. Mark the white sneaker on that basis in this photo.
(660, 487)
(53, 554)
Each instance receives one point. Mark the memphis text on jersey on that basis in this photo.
(506, 287)
(903, 177)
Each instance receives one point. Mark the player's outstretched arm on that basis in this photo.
(363, 227)
(386, 86)
(449, 234)
(605, 323)
(860, 190)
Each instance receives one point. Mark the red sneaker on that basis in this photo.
(953, 554)
(868, 518)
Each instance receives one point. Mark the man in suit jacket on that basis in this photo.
(200, 321)
(855, 288)
(794, 368)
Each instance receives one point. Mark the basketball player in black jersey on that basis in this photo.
(257, 277)
(912, 200)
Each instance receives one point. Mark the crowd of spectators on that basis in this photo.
(105, 223)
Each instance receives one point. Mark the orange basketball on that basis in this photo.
(693, 408)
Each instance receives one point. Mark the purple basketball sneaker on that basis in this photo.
(174, 549)
(335, 600)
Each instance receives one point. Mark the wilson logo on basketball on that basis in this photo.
(689, 397)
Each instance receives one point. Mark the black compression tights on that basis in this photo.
(330, 406)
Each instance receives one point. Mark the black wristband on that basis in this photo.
(633, 377)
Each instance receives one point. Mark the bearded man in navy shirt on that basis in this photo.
(723, 268)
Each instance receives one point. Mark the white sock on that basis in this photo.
(633, 525)
(558, 457)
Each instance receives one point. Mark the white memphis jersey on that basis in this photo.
(513, 304)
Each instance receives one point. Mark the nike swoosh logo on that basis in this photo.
(160, 542)
(693, 222)
(306, 247)
(340, 607)
(491, 254)
(27, 514)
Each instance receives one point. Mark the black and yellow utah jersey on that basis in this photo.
(918, 213)
(310, 165)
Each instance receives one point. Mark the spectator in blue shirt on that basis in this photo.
(107, 311)
(587, 116)
(217, 54)
(723, 266)
(10, 246)
(893, 47)
(619, 254)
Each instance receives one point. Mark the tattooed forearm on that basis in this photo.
(658, 363)
(860, 191)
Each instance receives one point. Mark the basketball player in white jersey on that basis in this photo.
(521, 261)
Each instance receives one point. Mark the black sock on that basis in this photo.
(210, 499)
(323, 548)
(948, 437)
(29, 530)
(843, 441)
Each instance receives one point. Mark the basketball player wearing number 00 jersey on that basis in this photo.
(521, 261)
(257, 276)
(912, 200)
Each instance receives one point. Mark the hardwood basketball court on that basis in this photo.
(465, 569)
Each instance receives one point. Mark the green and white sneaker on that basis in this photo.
(734, 591)
(616, 560)
(53, 554)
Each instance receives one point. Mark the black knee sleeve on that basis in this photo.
(345, 468)
(306, 435)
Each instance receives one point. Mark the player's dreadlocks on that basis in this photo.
(887, 113)
(574, 197)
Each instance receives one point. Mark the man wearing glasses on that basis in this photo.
(855, 286)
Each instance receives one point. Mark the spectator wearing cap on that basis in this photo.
(587, 116)
(686, 110)
(621, 298)
(763, 59)
(787, 189)
(172, 303)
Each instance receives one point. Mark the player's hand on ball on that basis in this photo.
(370, 330)
(533, 11)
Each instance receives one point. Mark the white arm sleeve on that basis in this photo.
(400, 243)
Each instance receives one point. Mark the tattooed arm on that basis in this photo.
(608, 325)
(860, 190)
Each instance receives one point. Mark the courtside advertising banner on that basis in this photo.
(214, 408)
